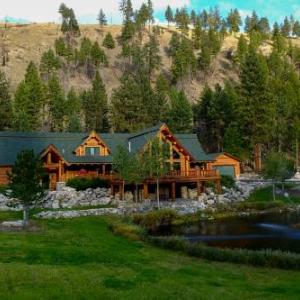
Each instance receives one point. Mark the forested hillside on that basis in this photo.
(237, 90)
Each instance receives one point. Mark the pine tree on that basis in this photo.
(69, 25)
(109, 41)
(57, 105)
(193, 17)
(169, 15)
(296, 29)
(102, 18)
(49, 64)
(98, 56)
(197, 34)
(278, 39)
(184, 61)
(95, 106)
(6, 116)
(256, 107)
(127, 106)
(234, 21)
(73, 111)
(242, 48)
(180, 116)
(152, 55)
(286, 27)
(30, 96)
(128, 29)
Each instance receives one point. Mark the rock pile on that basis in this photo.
(67, 197)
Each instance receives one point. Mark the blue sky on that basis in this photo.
(86, 10)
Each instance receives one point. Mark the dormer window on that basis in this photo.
(92, 151)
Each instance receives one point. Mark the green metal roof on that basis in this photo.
(11, 143)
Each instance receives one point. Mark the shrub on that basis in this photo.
(263, 258)
(108, 41)
(130, 231)
(227, 181)
(3, 189)
(83, 183)
(154, 220)
(260, 205)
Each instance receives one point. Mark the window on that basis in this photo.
(92, 151)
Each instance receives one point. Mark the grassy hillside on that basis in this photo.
(82, 259)
(28, 42)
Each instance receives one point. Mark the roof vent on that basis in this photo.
(63, 151)
(129, 146)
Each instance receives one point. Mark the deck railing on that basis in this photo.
(195, 173)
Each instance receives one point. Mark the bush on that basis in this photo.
(227, 181)
(3, 189)
(263, 258)
(108, 41)
(154, 220)
(130, 231)
(260, 205)
(83, 183)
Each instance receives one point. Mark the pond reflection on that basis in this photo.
(276, 231)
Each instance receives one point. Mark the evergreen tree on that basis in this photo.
(296, 29)
(49, 64)
(286, 27)
(98, 56)
(234, 21)
(152, 55)
(73, 111)
(69, 25)
(6, 114)
(197, 34)
(95, 106)
(278, 39)
(57, 105)
(242, 48)
(184, 61)
(256, 107)
(109, 41)
(128, 29)
(102, 18)
(30, 96)
(169, 15)
(127, 106)
(193, 17)
(180, 117)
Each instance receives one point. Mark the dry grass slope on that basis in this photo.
(28, 42)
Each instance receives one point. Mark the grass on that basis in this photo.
(265, 195)
(82, 259)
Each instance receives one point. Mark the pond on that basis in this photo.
(277, 231)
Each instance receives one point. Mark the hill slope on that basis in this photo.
(28, 42)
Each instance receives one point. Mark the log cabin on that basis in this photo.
(69, 155)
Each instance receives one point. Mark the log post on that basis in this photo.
(173, 190)
(146, 195)
(198, 188)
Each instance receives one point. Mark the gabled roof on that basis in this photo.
(214, 156)
(11, 143)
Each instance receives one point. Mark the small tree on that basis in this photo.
(109, 41)
(278, 167)
(26, 181)
(155, 160)
(102, 18)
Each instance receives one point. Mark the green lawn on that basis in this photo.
(81, 259)
(266, 195)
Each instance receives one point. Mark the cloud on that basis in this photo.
(85, 10)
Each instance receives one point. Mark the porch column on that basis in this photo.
(112, 190)
(59, 171)
(103, 169)
(121, 192)
(146, 195)
(173, 190)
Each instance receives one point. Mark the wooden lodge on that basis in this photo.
(69, 155)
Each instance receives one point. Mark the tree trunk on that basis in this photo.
(157, 192)
(297, 155)
(123, 190)
(274, 196)
(25, 216)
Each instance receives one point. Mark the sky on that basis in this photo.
(86, 10)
